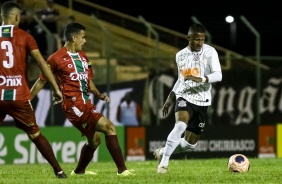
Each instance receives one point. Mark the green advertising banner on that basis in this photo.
(16, 148)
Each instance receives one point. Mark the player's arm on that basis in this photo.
(37, 86)
(48, 74)
(214, 64)
(214, 77)
(169, 100)
(96, 92)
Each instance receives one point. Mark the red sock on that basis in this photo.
(47, 152)
(86, 156)
(115, 151)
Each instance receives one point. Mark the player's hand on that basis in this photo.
(166, 106)
(104, 97)
(57, 97)
(193, 78)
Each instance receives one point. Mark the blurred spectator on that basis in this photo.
(28, 24)
(129, 112)
(25, 16)
(49, 17)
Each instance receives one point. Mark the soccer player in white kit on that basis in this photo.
(198, 67)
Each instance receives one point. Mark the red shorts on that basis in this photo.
(23, 115)
(84, 117)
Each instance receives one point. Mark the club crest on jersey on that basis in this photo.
(183, 57)
(83, 59)
(181, 103)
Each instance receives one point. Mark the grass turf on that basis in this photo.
(180, 171)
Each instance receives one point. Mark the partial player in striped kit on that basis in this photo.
(16, 44)
(74, 73)
(198, 67)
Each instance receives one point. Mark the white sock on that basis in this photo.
(183, 146)
(172, 141)
(162, 151)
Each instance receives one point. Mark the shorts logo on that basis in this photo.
(84, 125)
(201, 125)
(182, 103)
(30, 124)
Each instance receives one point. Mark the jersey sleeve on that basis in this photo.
(31, 43)
(50, 63)
(214, 61)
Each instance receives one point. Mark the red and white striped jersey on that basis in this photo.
(15, 46)
(73, 72)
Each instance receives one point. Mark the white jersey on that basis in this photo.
(198, 64)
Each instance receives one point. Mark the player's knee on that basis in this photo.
(97, 143)
(97, 140)
(111, 129)
(94, 141)
(105, 126)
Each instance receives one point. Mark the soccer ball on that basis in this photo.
(238, 163)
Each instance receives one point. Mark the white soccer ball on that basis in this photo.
(238, 163)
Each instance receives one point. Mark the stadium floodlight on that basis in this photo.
(229, 19)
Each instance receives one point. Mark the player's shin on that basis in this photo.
(86, 156)
(172, 141)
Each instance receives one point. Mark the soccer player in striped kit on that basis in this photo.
(198, 67)
(74, 73)
(16, 44)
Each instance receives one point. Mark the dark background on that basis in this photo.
(264, 16)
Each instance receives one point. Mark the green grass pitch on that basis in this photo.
(196, 171)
